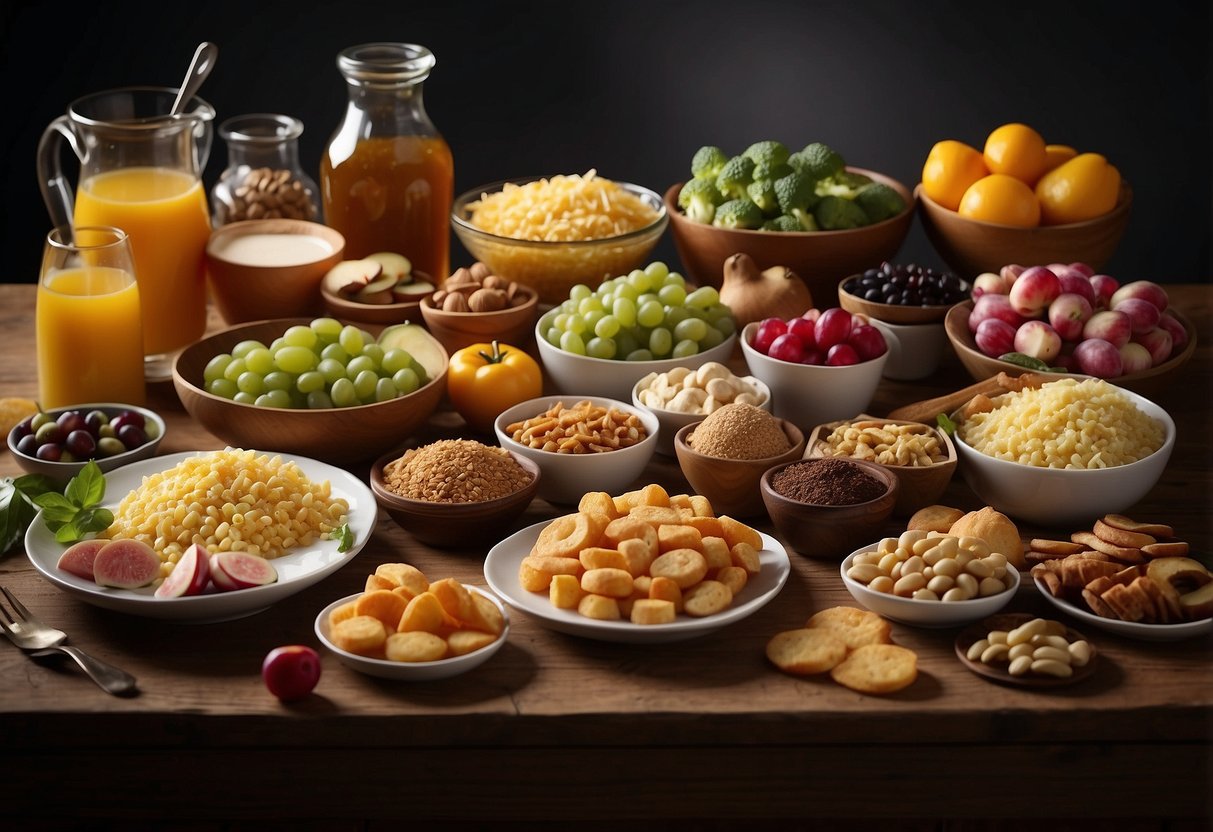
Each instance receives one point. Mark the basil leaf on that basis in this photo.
(946, 424)
(67, 533)
(344, 537)
(87, 488)
(93, 520)
(55, 508)
(31, 485)
(1021, 360)
(11, 502)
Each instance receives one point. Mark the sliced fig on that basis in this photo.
(242, 570)
(349, 276)
(78, 558)
(126, 564)
(189, 577)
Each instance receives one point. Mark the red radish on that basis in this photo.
(189, 577)
(78, 558)
(291, 672)
(126, 564)
(241, 570)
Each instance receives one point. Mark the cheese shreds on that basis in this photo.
(561, 209)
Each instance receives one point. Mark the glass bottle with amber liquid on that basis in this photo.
(387, 176)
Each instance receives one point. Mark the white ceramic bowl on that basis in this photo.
(1061, 497)
(936, 614)
(565, 477)
(672, 421)
(581, 374)
(914, 349)
(412, 671)
(61, 472)
(808, 395)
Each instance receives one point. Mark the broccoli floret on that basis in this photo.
(797, 199)
(707, 162)
(762, 194)
(698, 200)
(765, 171)
(768, 155)
(879, 201)
(845, 184)
(734, 176)
(738, 213)
(786, 222)
(817, 161)
(835, 214)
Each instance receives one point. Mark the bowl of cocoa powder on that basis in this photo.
(825, 508)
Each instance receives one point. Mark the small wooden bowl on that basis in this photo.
(454, 525)
(821, 531)
(731, 485)
(999, 671)
(891, 313)
(339, 434)
(920, 486)
(971, 247)
(373, 316)
(457, 330)
(820, 258)
(980, 366)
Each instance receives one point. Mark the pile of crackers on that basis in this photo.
(854, 646)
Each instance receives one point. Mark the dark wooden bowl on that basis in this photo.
(731, 485)
(821, 531)
(339, 434)
(457, 330)
(820, 258)
(371, 316)
(454, 525)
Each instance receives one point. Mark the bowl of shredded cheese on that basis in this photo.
(553, 233)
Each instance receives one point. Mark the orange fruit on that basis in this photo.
(1001, 199)
(1081, 189)
(1016, 150)
(1058, 154)
(951, 167)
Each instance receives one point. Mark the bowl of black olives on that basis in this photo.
(903, 294)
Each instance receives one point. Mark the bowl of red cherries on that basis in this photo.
(821, 366)
(58, 443)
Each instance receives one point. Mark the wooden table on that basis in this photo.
(556, 728)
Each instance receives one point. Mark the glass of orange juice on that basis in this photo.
(88, 327)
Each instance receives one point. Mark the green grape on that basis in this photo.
(245, 347)
(571, 342)
(600, 348)
(260, 361)
(674, 279)
(335, 352)
(608, 299)
(351, 340)
(671, 294)
(395, 360)
(590, 304)
(661, 342)
(374, 352)
(651, 313)
(300, 336)
(364, 384)
(234, 368)
(310, 382)
(295, 359)
(385, 390)
(405, 381)
(625, 310)
(684, 349)
(215, 367)
(331, 369)
(579, 293)
(547, 320)
(703, 297)
(274, 398)
(362, 363)
(222, 387)
(561, 321)
(607, 326)
(575, 325)
(277, 344)
(327, 329)
(318, 400)
(569, 306)
(639, 280)
(640, 355)
(626, 290)
(552, 336)
(647, 297)
(715, 312)
(692, 329)
(674, 315)
(342, 393)
(250, 382)
(592, 318)
(244, 398)
(726, 325)
(627, 340)
(279, 380)
(711, 338)
(657, 272)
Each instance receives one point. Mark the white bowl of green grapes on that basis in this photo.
(599, 342)
(316, 388)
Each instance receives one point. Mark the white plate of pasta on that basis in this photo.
(298, 568)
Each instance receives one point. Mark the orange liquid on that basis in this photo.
(164, 214)
(89, 341)
(393, 194)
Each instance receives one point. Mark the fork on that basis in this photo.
(39, 639)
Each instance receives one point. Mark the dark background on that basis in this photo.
(633, 88)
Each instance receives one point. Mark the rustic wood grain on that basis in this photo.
(703, 729)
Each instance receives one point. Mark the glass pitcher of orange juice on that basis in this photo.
(140, 171)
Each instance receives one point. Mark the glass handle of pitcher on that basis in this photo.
(57, 192)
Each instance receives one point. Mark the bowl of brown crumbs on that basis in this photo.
(724, 456)
(454, 493)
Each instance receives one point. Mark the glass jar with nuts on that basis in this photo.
(263, 179)
(477, 289)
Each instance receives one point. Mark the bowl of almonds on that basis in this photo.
(474, 305)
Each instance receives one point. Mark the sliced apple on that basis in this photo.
(423, 347)
(1198, 604)
(383, 282)
(349, 277)
(397, 265)
(375, 298)
(404, 292)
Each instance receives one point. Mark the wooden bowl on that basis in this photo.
(454, 525)
(892, 313)
(919, 486)
(339, 434)
(981, 366)
(457, 330)
(820, 258)
(821, 531)
(731, 485)
(971, 247)
(373, 316)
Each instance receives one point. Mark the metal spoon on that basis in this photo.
(200, 67)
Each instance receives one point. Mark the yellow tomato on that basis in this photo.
(1001, 199)
(485, 379)
(1081, 189)
(1057, 154)
(1016, 150)
(951, 167)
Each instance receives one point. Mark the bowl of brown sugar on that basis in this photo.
(724, 456)
(827, 507)
(454, 493)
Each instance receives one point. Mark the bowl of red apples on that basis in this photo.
(1063, 319)
(820, 367)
